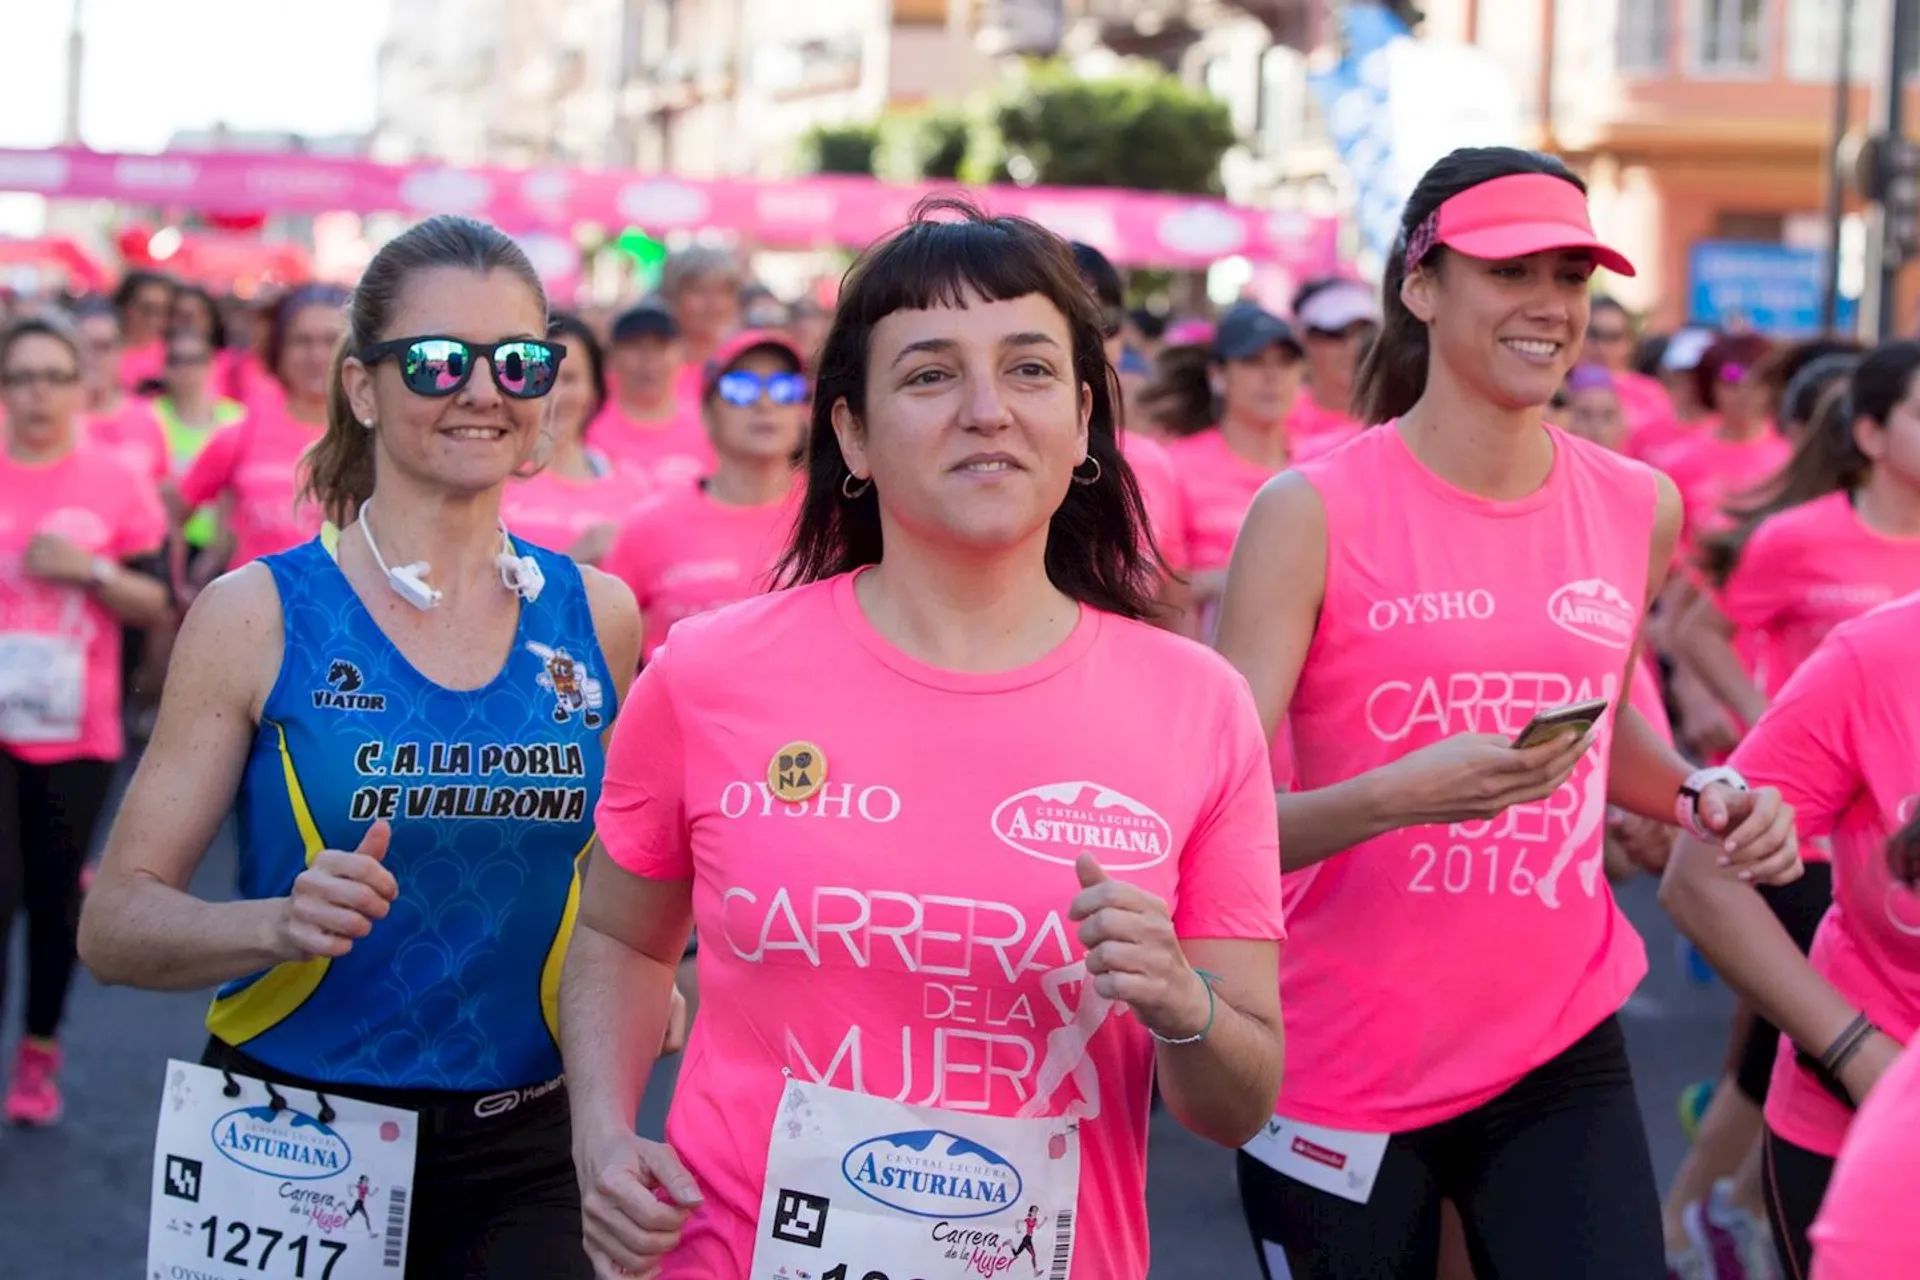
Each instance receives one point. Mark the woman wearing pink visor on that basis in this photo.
(1411, 604)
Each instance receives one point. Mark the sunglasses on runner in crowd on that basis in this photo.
(523, 368)
(743, 388)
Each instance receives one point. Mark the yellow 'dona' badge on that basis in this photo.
(796, 772)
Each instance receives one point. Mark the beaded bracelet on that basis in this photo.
(1206, 980)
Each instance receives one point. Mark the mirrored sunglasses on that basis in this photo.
(523, 368)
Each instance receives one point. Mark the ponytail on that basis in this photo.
(1180, 398)
(1393, 372)
(337, 472)
(1827, 460)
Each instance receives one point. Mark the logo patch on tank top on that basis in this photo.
(1594, 609)
(574, 689)
(796, 772)
(343, 691)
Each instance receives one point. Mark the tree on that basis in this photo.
(839, 148)
(1142, 129)
(929, 143)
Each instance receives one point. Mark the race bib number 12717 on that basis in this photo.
(243, 1187)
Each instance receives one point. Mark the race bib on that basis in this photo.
(242, 1189)
(1333, 1160)
(43, 687)
(860, 1188)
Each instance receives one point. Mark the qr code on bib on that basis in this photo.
(799, 1218)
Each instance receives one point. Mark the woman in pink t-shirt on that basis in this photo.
(975, 853)
(252, 467)
(1867, 1229)
(1841, 739)
(116, 422)
(1336, 319)
(79, 537)
(143, 303)
(1406, 606)
(651, 424)
(1609, 345)
(576, 502)
(1244, 393)
(700, 546)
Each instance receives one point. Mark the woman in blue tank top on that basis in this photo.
(410, 716)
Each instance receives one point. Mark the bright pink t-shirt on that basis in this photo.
(133, 434)
(1842, 742)
(663, 455)
(1432, 967)
(554, 511)
(685, 553)
(1867, 1229)
(1159, 480)
(143, 364)
(1314, 430)
(98, 502)
(904, 932)
(257, 461)
(1644, 695)
(1712, 472)
(1805, 571)
(1218, 486)
(1644, 401)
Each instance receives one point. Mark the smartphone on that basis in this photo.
(1575, 718)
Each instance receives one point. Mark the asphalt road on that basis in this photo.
(73, 1200)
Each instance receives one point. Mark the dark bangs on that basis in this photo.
(1099, 549)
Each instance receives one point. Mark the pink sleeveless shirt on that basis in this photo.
(1431, 968)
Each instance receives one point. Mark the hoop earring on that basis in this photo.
(1088, 480)
(853, 487)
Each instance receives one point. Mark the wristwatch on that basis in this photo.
(100, 571)
(1686, 804)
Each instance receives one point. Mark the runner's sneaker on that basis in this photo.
(1687, 1264)
(33, 1098)
(1739, 1245)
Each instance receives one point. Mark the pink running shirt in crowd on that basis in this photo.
(133, 434)
(1867, 1229)
(684, 553)
(1805, 571)
(554, 511)
(1842, 742)
(1644, 401)
(1219, 487)
(98, 502)
(257, 461)
(1712, 472)
(1160, 489)
(1432, 967)
(904, 933)
(662, 455)
(1644, 695)
(1314, 430)
(141, 365)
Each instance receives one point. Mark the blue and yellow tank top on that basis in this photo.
(490, 794)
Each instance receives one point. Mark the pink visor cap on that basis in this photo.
(1512, 217)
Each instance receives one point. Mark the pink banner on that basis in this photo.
(1135, 228)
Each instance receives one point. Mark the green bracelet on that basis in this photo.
(1206, 980)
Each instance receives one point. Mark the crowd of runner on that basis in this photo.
(976, 713)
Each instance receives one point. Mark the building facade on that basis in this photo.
(730, 86)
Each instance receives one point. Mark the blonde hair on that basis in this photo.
(338, 472)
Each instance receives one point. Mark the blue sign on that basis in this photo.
(1353, 96)
(1775, 289)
